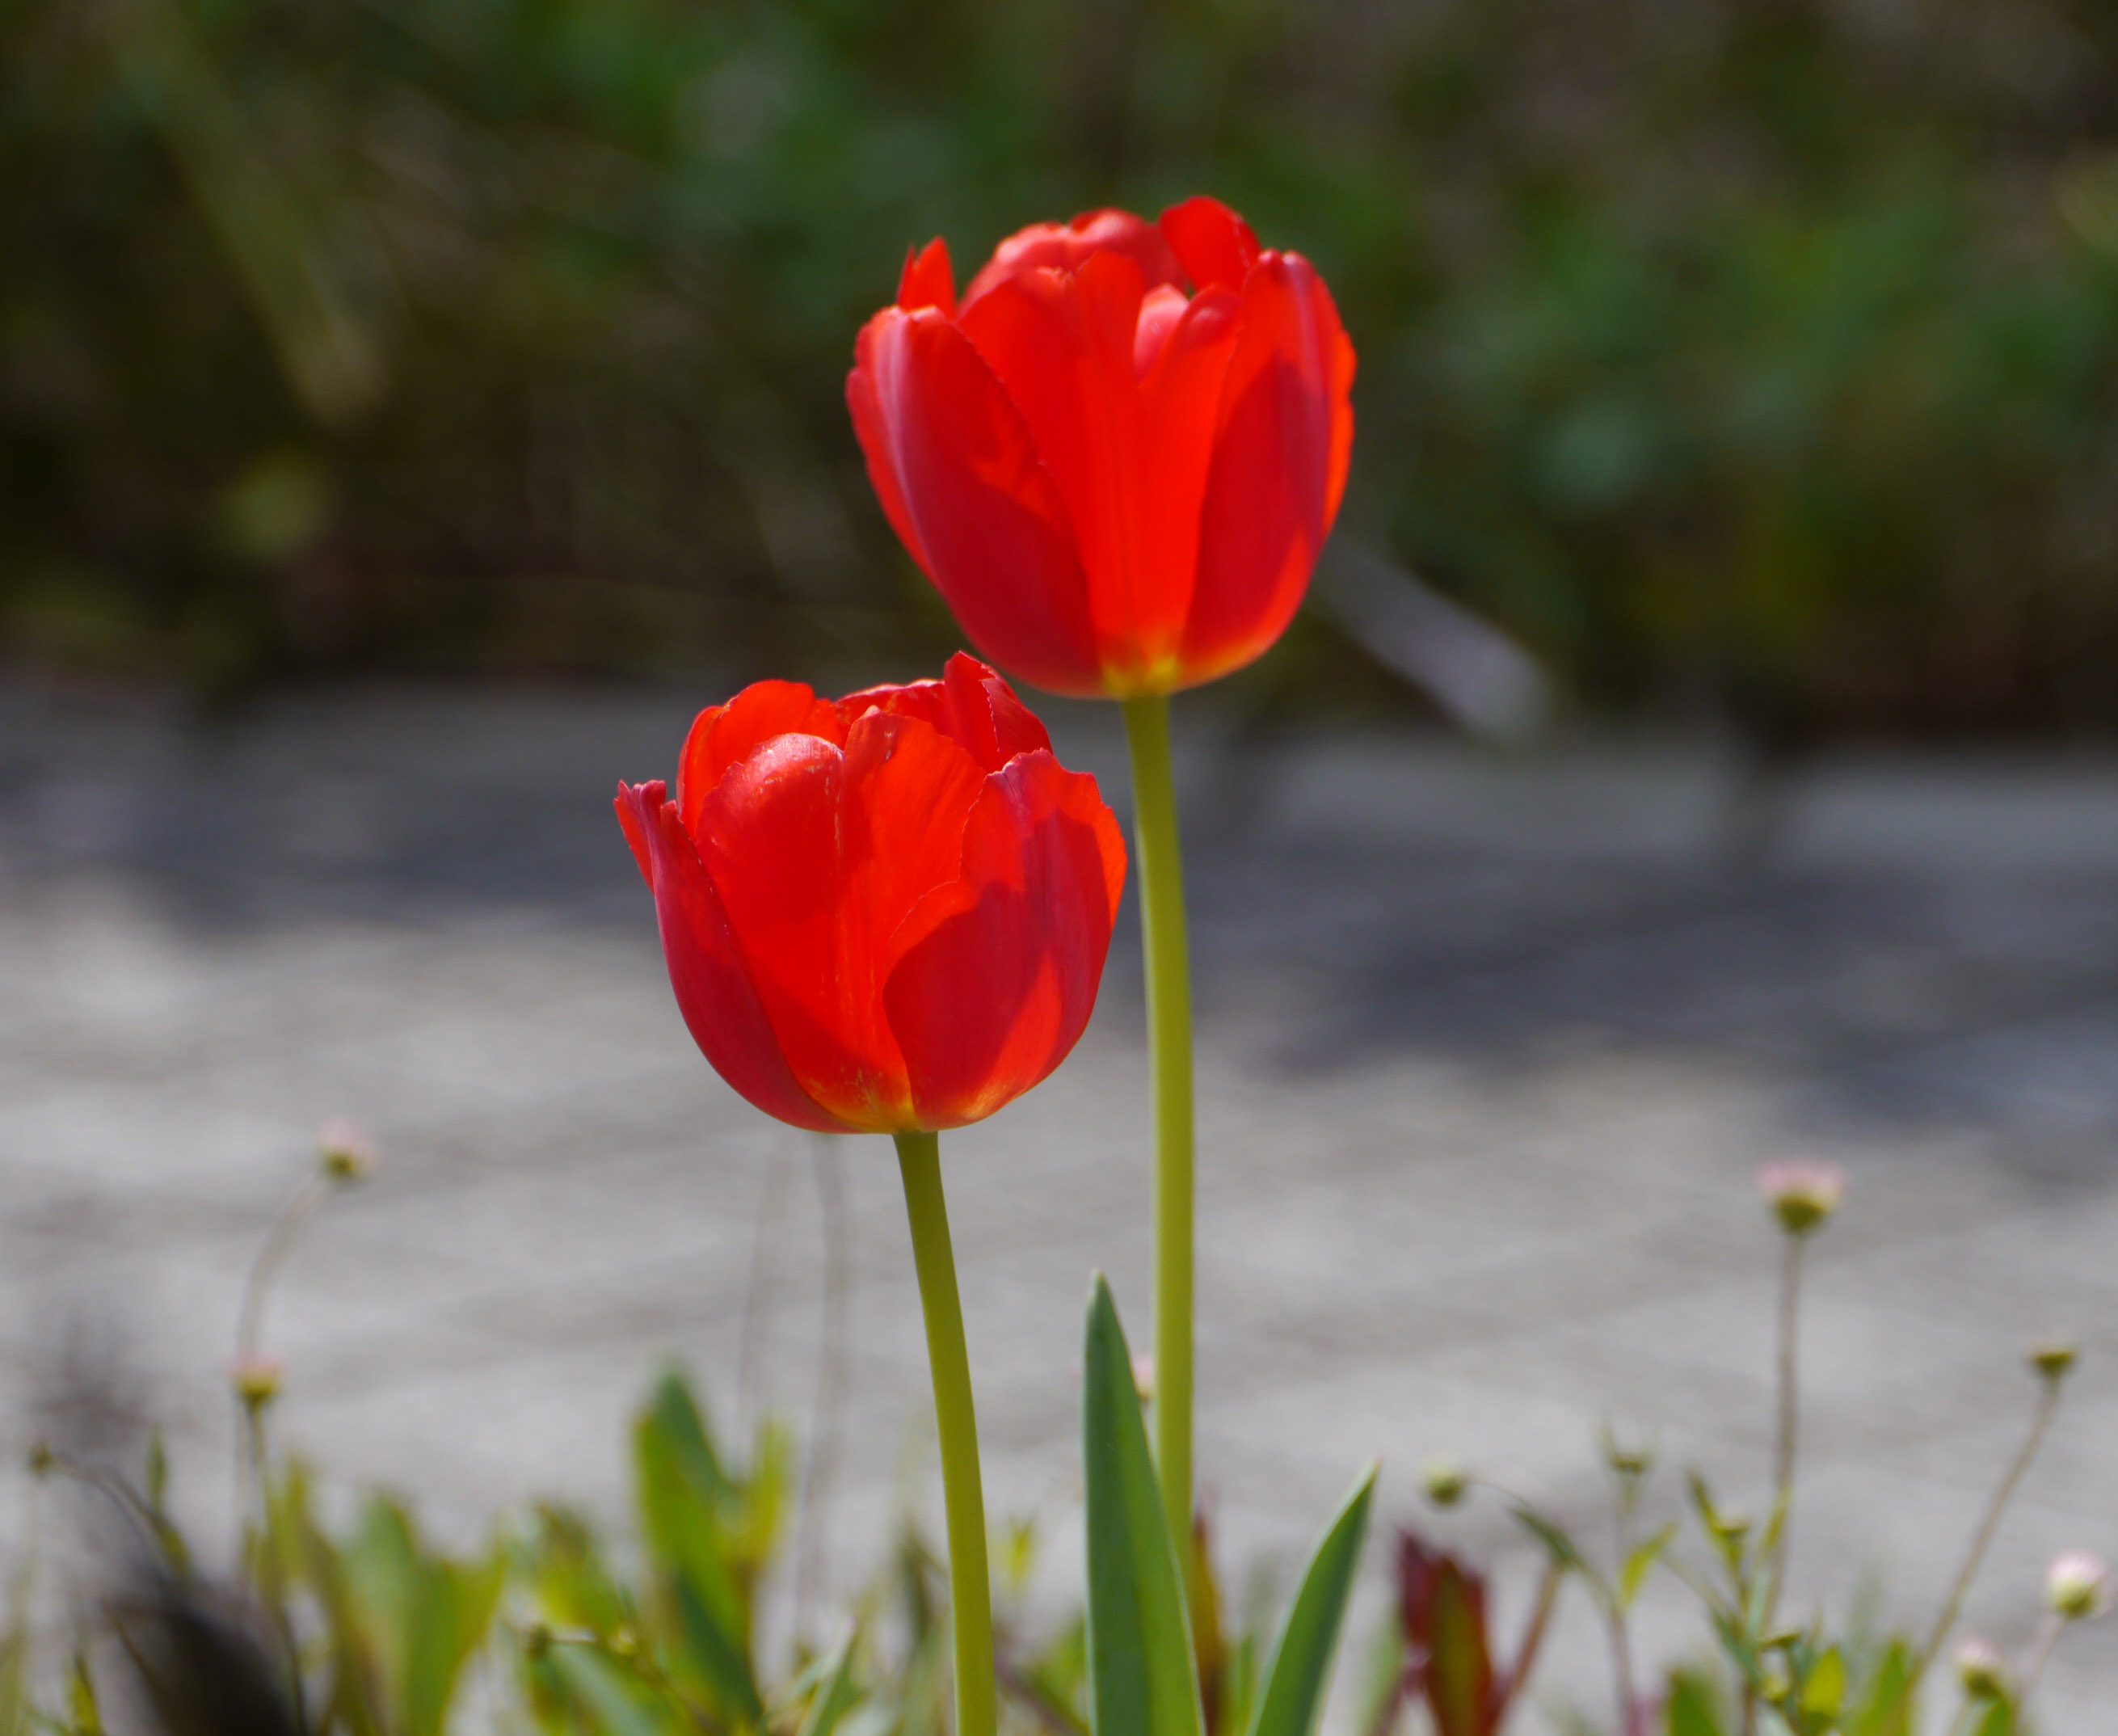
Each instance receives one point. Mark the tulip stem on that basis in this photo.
(970, 1595)
(1169, 1045)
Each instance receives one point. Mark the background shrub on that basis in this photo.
(1750, 361)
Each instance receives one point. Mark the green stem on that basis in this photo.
(1982, 1539)
(1169, 1045)
(970, 1594)
(1790, 1420)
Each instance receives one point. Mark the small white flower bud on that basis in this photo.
(1444, 1480)
(1802, 1193)
(257, 1380)
(344, 1151)
(2077, 1584)
(1981, 1670)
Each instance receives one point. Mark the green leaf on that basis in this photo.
(1300, 1664)
(418, 1614)
(673, 1416)
(684, 1496)
(1885, 1706)
(611, 1703)
(1734, 1638)
(1823, 1688)
(158, 1471)
(573, 1584)
(81, 1704)
(1640, 1562)
(1239, 1683)
(1693, 1709)
(1140, 1677)
(836, 1696)
(719, 1662)
(1998, 1720)
(1548, 1532)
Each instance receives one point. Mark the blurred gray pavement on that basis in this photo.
(1490, 1048)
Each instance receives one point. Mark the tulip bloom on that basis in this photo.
(881, 914)
(888, 914)
(1119, 488)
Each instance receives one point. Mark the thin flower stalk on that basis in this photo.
(1982, 1539)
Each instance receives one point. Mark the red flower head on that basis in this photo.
(881, 913)
(1119, 489)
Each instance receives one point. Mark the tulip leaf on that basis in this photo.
(1300, 1664)
(1141, 1681)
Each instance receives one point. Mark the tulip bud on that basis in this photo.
(1981, 1670)
(1802, 1193)
(1444, 1480)
(2054, 1358)
(344, 1152)
(2077, 1584)
(256, 1380)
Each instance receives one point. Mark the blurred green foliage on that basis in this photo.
(1751, 358)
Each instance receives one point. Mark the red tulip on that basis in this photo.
(1119, 489)
(883, 913)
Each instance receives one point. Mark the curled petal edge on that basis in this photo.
(714, 991)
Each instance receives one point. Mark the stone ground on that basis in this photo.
(1489, 1050)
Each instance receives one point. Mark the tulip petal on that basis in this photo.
(635, 828)
(818, 853)
(971, 705)
(1130, 454)
(722, 735)
(908, 790)
(928, 280)
(769, 836)
(713, 991)
(1160, 309)
(980, 512)
(1214, 244)
(1062, 347)
(982, 699)
(998, 974)
(1180, 403)
(871, 427)
(1057, 246)
(1285, 431)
